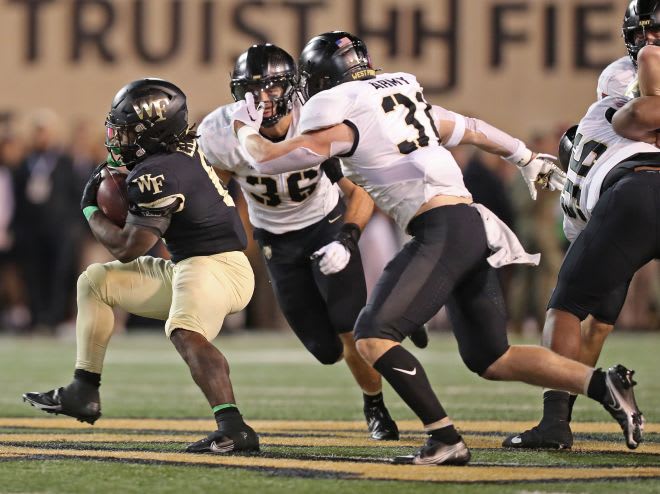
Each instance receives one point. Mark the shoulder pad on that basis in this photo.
(217, 139)
(324, 109)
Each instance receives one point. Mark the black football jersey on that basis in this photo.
(182, 188)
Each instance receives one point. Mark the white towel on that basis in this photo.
(504, 244)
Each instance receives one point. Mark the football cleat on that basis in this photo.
(620, 402)
(437, 453)
(231, 438)
(380, 424)
(420, 337)
(549, 434)
(76, 400)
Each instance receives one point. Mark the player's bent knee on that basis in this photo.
(372, 324)
(91, 281)
(328, 356)
(598, 329)
(486, 364)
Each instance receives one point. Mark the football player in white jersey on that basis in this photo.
(393, 143)
(597, 158)
(298, 216)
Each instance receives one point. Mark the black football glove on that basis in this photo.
(91, 187)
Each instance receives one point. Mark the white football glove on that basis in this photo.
(333, 257)
(248, 113)
(542, 170)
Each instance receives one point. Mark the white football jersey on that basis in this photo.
(597, 149)
(277, 203)
(397, 156)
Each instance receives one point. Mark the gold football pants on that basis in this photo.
(195, 294)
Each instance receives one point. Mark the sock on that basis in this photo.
(597, 387)
(555, 405)
(372, 400)
(227, 412)
(87, 377)
(406, 375)
(571, 402)
(446, 435)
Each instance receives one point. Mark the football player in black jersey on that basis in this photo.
(175, 195)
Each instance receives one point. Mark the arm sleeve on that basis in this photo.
(440, 113)
(463, 123)
(514, 146)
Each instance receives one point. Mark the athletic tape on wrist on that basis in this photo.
(521, 157)
(89, 211)
(245, 132)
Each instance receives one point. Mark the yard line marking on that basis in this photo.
(205, 425)
(354, 470)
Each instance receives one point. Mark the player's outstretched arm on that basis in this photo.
(298, 153)
(536, 169)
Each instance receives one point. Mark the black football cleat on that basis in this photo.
(437, 453)
(549, 434)
(232, 437)
(76, 400)
(420, 337)
(380, 424)
(620, 402)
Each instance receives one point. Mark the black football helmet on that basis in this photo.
(330, 59)
(147, 116)
(640, 16)
(270, 69)
(566, 147)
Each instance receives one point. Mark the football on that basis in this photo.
(112, 196)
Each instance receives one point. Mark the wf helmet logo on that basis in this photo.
(151, 107)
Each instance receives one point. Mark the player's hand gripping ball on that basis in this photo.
(112, 196)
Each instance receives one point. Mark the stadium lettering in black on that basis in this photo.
(205, 222)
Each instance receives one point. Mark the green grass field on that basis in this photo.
(280, 388)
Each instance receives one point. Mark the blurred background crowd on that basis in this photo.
(525, 66)
(45, 243)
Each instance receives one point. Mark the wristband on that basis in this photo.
(349, 235)
(245, 132)
(89, 211)
(332, 169)
(521, 157)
